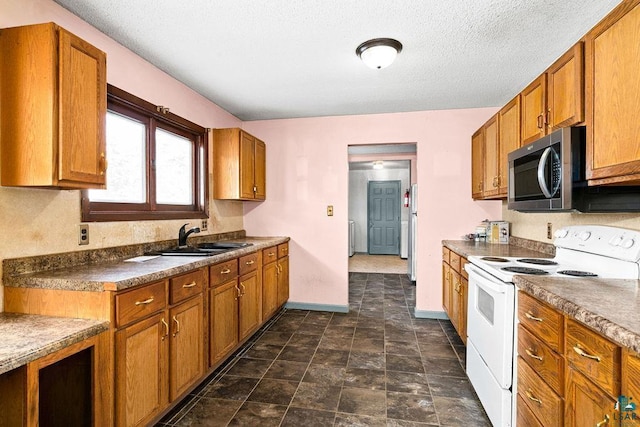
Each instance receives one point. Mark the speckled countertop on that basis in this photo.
(27, 337)
(609, 306)
(468, 248)
(119, 275)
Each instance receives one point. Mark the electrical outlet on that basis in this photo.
(330, 210)
(205, 225)
(549, 231)
(83, 236)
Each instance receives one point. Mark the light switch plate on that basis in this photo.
(330, 210)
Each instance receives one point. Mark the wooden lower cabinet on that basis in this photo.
(446, 288)
(283, 281)
(455, 285)
(223, 320)
(269, 289)
(250, 304)
(587, 404)
(141, 374)
(186, 364)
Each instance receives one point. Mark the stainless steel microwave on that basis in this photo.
(549, 175)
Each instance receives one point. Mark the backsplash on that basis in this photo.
(533, 226)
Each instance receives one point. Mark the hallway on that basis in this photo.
(375, 366)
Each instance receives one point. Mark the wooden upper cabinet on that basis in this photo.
(509, 140)
(238, 165)
(565, 90)
(477, 163)
(54, 102)
(612, 62)
(533, 101)
(490, 185)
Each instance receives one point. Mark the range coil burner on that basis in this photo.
(494, 259)
(537, 261)
(577, 273)
(525, 270)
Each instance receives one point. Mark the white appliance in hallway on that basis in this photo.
(412, 235)
(404, 239)
(492, 333)
(352, 238)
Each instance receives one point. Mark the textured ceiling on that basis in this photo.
(285, 59)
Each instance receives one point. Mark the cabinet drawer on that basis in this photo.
(445, 254)
(525, 416)
(454, 261)
(463, 272)
(542, 320)
(594, 356)
(543, 402)
(222, 272)
(283, 250)
(139, 303)
(248, 263)
(548, 364)
(185, 286)
(269, 255)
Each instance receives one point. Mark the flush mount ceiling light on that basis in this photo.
(378, 164)
(379, 53)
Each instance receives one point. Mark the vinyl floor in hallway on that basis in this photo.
(375, 366)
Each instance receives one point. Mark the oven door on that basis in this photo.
(490, 322)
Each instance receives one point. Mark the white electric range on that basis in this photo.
(581, 251)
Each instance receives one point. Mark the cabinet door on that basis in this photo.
(187, 341)
(509, 140)
(269, 289)
(477, 163)
(250, 313)
(141, 371)
(612, 87)
(630, 386)
(446, 288)
(247, 165)
(283, 281)
(464, 295)
(490, 186)
(455, 300)
(260, 170)
(586, 404)
(83, 109)
(223, 320)
(533, 101)
(565, 88)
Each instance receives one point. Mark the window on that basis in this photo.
(156, 165)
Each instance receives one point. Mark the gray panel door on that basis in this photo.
(384, 217)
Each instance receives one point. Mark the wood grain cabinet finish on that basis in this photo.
(186, 345)
(542, 320)
(490, 180)
(548, 364)
(586, 404)
(612, 59)
(283, 281)
(534, 100)
(455, 290)
(250, 304)
(223, 320)
(525, 417)
(54, 102)
(239, 165)
(539, 397)
(508, 140)
(477, 164)
(565, 90)
(630, 386)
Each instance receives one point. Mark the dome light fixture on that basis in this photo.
(378, 164)
(379, 53)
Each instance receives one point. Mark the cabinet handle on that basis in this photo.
(244, 290)
(603, 422)
(495, 181)
(255, 188)
(531, 397)
(189, 285)
(499, 181)
(548, 118)
(530, 353)
(103, 164)
(530, 316)
(166, 329)
(238, 294)
(250, 262)
(277, 268)
(583, 353)
(540, 121)
(271, 254)
(145, 302)
(177, 326)
(225, 271)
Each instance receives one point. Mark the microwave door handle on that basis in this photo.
(541, 178)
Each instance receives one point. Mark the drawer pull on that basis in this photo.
(271, 254)
(145, 302)
(225, 271)
(603, 422)
(530, 316)
(189, 285)
(532, 398)
(583, 353)
(250, 262)
(177, 326)
(166, 329)
(531, 354)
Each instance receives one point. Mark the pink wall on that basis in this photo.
(124, 68)
(307, 169)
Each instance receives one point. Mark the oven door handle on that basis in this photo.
(488, 283)
(541, 178)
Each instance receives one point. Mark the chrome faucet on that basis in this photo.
(183, 234)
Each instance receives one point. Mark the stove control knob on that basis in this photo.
(561, 233)
(585, 235)
(616, 241)
(628, 243)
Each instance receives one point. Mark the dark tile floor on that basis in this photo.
(375, 366)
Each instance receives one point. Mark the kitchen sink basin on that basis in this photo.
(193, 251)
(223, 245)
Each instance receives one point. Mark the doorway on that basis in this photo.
(383, 217)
